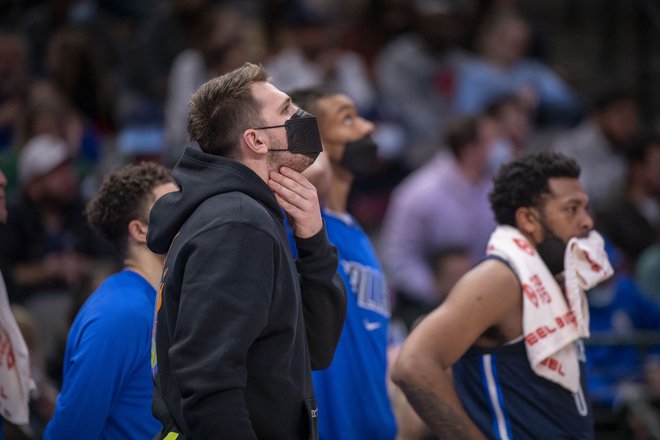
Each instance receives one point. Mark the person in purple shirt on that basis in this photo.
(443, 204)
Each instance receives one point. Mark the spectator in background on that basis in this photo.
(514, 129)
(75, 67)
(417, 74)
(501, 68)
(647, 272)
(107, 387)
(352, 393)
(449, 265)
(600, 143)
(14, 82)
(46, 244)
(174, 26)
(443, 204)
(617, 308)
(632, 220)
(311, 56)
(230, 38)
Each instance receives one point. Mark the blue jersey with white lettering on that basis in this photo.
(507, 400)
(352, 394)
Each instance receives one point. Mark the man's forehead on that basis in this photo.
(335, 104)
(567, 189)
(265, 92)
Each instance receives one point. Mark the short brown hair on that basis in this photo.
(223, 108)
(123, 197)
(461, 132)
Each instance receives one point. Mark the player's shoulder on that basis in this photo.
(492, 275)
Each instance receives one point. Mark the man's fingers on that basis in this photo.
(290, 196)
(288, 182)
(296, 177)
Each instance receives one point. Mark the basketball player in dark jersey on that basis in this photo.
(477, 332)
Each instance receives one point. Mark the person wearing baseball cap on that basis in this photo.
(47, 247)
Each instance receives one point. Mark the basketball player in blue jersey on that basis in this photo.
(478, 331)
(352, 394)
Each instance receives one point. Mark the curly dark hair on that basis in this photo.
(122, 197)
(522, 182)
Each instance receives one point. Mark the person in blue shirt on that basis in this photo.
(107, 386)
(618, 308)
(352, 394)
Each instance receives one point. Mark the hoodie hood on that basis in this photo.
(201, 176)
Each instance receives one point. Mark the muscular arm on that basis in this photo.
(485, 297)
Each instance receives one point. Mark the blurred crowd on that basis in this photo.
(455, 88)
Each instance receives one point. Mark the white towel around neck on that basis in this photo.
(551, 323)
(16, 381)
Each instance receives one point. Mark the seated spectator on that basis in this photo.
(449, 265)
(647, 272)
(600, 143)
(46, 243)
(501, 68)
(313, 57)
(631, 221)
(514, 129)
(443, 204)
(618, 308)
(229, 38)
(417, 73)
(14, 81)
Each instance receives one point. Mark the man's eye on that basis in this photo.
(348, 120)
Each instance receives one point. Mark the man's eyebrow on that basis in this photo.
(286, 103)
(575, 199)
(344, 107)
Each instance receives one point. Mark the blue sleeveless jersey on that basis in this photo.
(352, 394)
(507, 400)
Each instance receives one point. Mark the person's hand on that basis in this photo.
(298, 197)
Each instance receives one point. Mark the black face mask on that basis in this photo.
(360, 156)
(551, 250)
(302, 134)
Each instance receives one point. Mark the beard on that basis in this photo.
(296, 161)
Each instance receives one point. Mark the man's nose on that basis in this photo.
(368, 126)
(587, 222)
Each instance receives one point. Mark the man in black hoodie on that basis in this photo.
(239, 323)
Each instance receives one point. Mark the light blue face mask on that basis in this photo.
(501, 153)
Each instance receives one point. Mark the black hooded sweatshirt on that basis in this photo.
(239, 323)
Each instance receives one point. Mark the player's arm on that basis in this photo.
(484, 297)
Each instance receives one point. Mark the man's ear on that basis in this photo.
(526, 221)
(255, 141)
(137, 230)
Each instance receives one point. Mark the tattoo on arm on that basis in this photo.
(438, 415)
